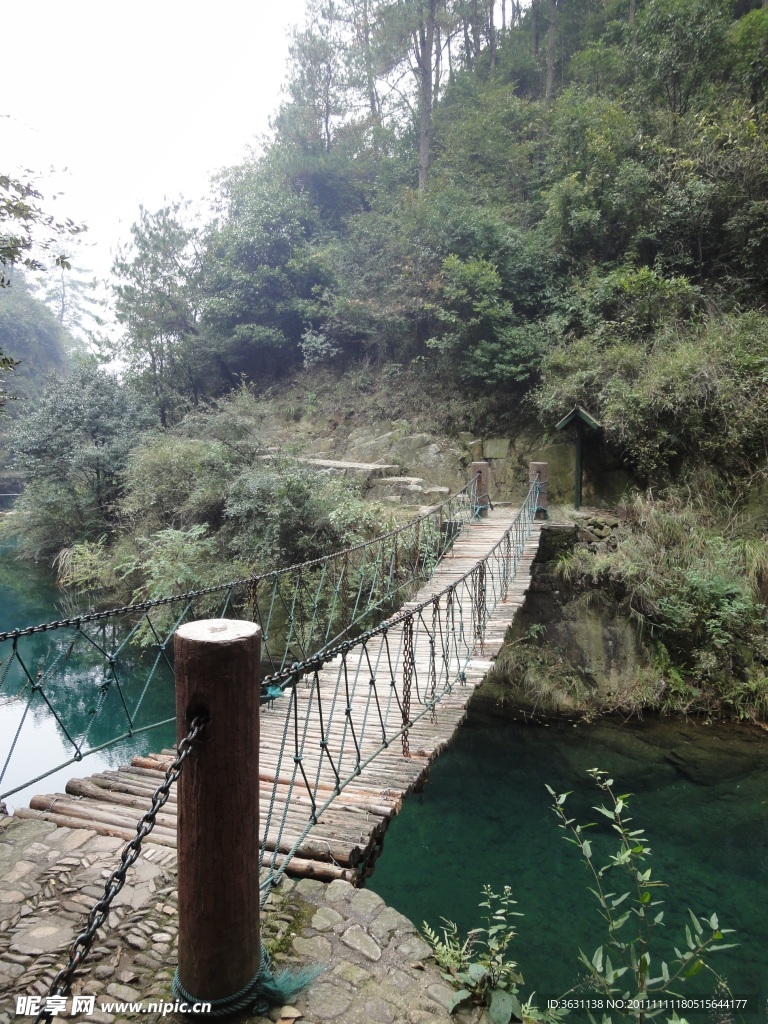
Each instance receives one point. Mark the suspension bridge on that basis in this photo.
(371, 657)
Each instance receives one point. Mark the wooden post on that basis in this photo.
(579, 460)
(540, 469)
(217, 672)
(579, 418)
(483, 470)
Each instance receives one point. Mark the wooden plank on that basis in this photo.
(348, 832)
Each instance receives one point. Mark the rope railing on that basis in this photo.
(341, 708)
(346, 705)
(88, 672)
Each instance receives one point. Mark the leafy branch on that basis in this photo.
(630, 947)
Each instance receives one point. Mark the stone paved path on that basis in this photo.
(377, 966)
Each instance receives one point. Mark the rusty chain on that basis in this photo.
(78, 951)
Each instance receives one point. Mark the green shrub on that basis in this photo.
(696, 597)
(689, 395)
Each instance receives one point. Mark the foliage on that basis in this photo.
(22, 219)
(70, 451)
(686, 394)
(479, 328)
(34, 341)
(515, 224)
(633, 916)
(748, 36)
(678, 45)
(478, 965)
(261, 271)
(175, 481)
(695, 596)
(175, 561)
(286, 513)
(156, 302)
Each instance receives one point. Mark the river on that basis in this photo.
(700, 792)
(29, 596)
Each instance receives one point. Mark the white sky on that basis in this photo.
(138, 101)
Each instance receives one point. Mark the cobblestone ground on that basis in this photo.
(376, 967)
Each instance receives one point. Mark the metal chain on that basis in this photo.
(508, 571)
(480, 610)
(284, 677)
(409, 664)
(432, 687)
(189, 595)
(78, 951)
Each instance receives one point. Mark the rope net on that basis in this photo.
(335, 713)
(342, 709)
(105, 678)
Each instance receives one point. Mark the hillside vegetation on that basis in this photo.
(522, 209)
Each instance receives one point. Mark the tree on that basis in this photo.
(156, 302)
(33, 335)
(22, 219)
(70, 451)
(262, 272)
(679, 46)
(318, 86)
(551, 47)
(75, 299)
(410, 38)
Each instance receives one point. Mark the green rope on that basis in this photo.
(264, 990)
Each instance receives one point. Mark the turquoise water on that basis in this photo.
(36, 728)
(699, 791)
(486, 817)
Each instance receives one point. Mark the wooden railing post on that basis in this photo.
(482, 470)
(540, 469)
(217, 673)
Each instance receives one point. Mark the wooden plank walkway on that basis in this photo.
(348, 835)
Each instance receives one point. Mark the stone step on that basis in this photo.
(342, 467)
(408, 490)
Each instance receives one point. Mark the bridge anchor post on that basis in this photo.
(482, 470)
(217, 673)
(540, 470)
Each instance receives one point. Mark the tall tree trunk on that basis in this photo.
(492, 34)
(633, 11)
(551, 41)
(535, 26)
(503, 15)
(425, 64)
(438, 66)
(370, 78)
